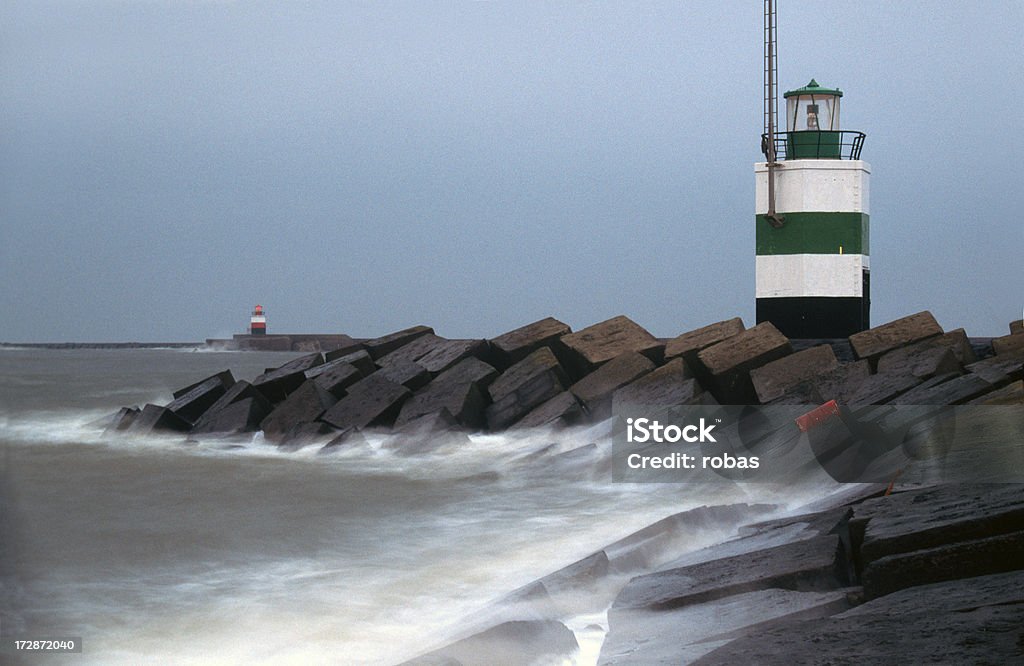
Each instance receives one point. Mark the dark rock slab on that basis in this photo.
(517, 344)
(238, 417)
(772, 380)
(986, 635)
(412, 351)
(335, 377)
(874, 342)
(937, 516)
(595, 390)
(600, 343)
(964, 559)
(375, 400)
(956, 596)
(524, 386)
(303, 405)
(241, 390)
(461, 390)
(813, 564)
(386, 344)
(410, 374)
(689, 344)
(562, 410)
(842, 383)
(449, 352)
(227, 379)
(359, 358)
(516, 642)
(668, 385)
(728, 363)
(155, 418)
(276, 384)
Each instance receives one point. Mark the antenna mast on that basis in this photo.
(771, 106)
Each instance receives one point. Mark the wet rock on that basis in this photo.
(335, 377)
(350, 437)
(303, 405)
(874, 342)
(957, 596)
(238, 417)
(461, 390)
(155, 418)
(411, 375)
(375, 400)
(689, 344)
(516, 642)
(842, 383)
(427, 433)
(241, 390)
(1011, 394)
(562, 410)
(814, 564)
(595, 345)
(276, 384)
(516, 345)
(523, 387)
(728, 363)
(306, 433)
(595, 390)
(386, 344)
(668, 385)
(774, 379)
(359, 358)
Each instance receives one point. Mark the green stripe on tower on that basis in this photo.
(814, 233)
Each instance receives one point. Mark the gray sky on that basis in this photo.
(363, 167)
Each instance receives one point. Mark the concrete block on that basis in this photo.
(956, 390)
(449, 352)
(1011, 394)
(412, 351)
(999, 370)
(276, 384)
(375, 400)
(517, 344)
(514, 642)
(1017, 327)
(842, 383)
(668, 385)
(562, 410)
(302, 405)
(874, 342)
(687, 345)
(359, 358)
(154, 419)
(774, 379)
(880, 389)
(238, 417)
(305, 434)
(121, 421)
(525, 385)
(926, 359)
(347, 438)
(386, 344)
(412, 376)
(595, 345)
(335, 377)
(464, 400)
(227, 379)
(427, 433)
(596, 389)
(728, 363)
(1008, 344)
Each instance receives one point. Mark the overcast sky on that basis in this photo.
(363, 167)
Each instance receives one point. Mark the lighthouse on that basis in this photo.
(812, 267)
(258, 322)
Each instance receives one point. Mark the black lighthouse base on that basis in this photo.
(815, 316)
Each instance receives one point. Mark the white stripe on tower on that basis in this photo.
(799, 275)
(811, 186)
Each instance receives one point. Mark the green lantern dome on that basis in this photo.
(813, 88)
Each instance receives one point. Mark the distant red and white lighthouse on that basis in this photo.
(258, 322)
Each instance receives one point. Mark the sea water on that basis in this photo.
(155, 550)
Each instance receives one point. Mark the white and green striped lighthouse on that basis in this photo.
(813, 272)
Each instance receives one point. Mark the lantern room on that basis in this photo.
(812, 108)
